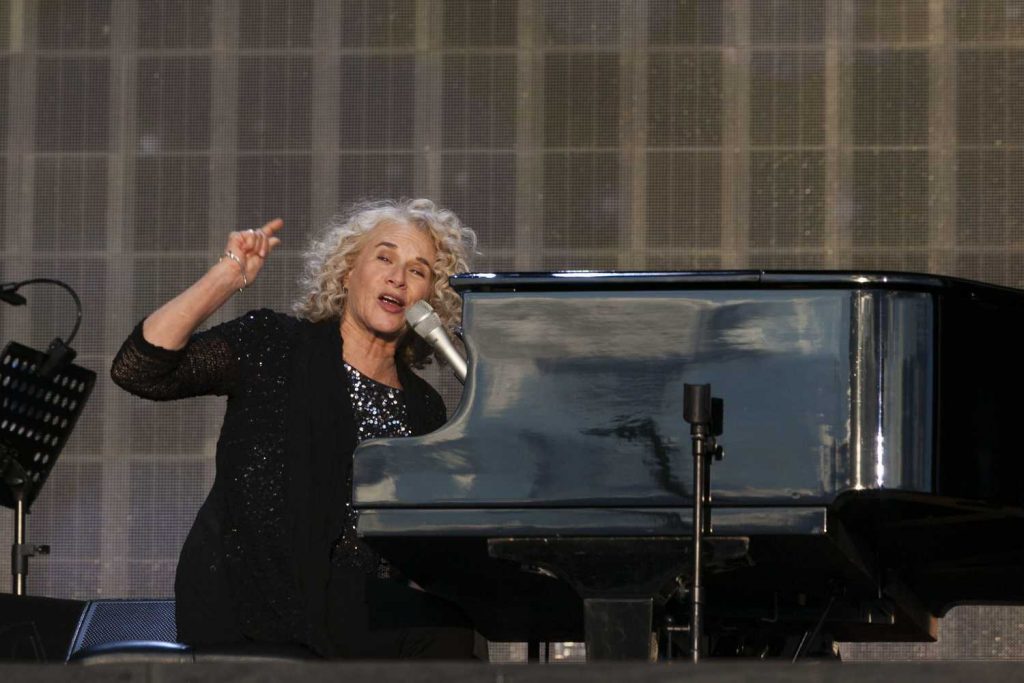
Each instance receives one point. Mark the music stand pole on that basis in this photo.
(21, 550)
(19, 563)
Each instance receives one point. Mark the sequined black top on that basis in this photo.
(379, 412)
(258, 560)
(379, 409)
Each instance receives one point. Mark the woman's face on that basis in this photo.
(392, 271)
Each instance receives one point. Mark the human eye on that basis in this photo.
(383, 257)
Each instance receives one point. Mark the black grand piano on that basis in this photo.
(873, 477)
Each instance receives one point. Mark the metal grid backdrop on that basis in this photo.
(639, 134)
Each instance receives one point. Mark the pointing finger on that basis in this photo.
(270, 227)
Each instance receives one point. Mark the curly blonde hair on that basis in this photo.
(333, 252)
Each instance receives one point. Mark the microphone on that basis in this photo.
(426, 323)
(9, 293)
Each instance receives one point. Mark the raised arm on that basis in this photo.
(171, 325)
(163, 359)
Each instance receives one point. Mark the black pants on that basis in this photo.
(386, 619)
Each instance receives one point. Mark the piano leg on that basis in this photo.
(619, 579)
(618, 628)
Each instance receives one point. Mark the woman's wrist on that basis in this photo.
(228, 274)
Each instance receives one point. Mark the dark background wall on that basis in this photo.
(626, 134)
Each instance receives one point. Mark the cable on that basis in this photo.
(809, 636)
(15, 286)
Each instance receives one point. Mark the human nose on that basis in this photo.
(396, 277)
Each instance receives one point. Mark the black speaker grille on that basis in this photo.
(112, 621)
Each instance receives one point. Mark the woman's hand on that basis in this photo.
(248, 250)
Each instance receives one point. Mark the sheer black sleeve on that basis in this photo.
(208, 364)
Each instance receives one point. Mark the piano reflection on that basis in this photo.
(872, 478)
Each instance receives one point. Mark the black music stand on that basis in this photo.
(38, 411)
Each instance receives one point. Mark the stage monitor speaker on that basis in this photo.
(36, 629)
(115, 621)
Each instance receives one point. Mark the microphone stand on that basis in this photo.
(705, 417)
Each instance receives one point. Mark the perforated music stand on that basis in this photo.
(37, 415)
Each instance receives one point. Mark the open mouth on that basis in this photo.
(391, 303)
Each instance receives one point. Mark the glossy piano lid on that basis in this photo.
(575, 399)
(726, 279)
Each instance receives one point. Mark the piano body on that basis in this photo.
(872, 477)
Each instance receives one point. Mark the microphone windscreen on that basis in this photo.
(422, 318)
(418, 312)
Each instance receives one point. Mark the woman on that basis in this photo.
(273, 557)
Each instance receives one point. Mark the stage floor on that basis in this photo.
(423, 672)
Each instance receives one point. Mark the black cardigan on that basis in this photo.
(257, 562)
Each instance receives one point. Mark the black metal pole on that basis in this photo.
(21, 550)
(697, 596)
(19, 562)
(697, 410)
